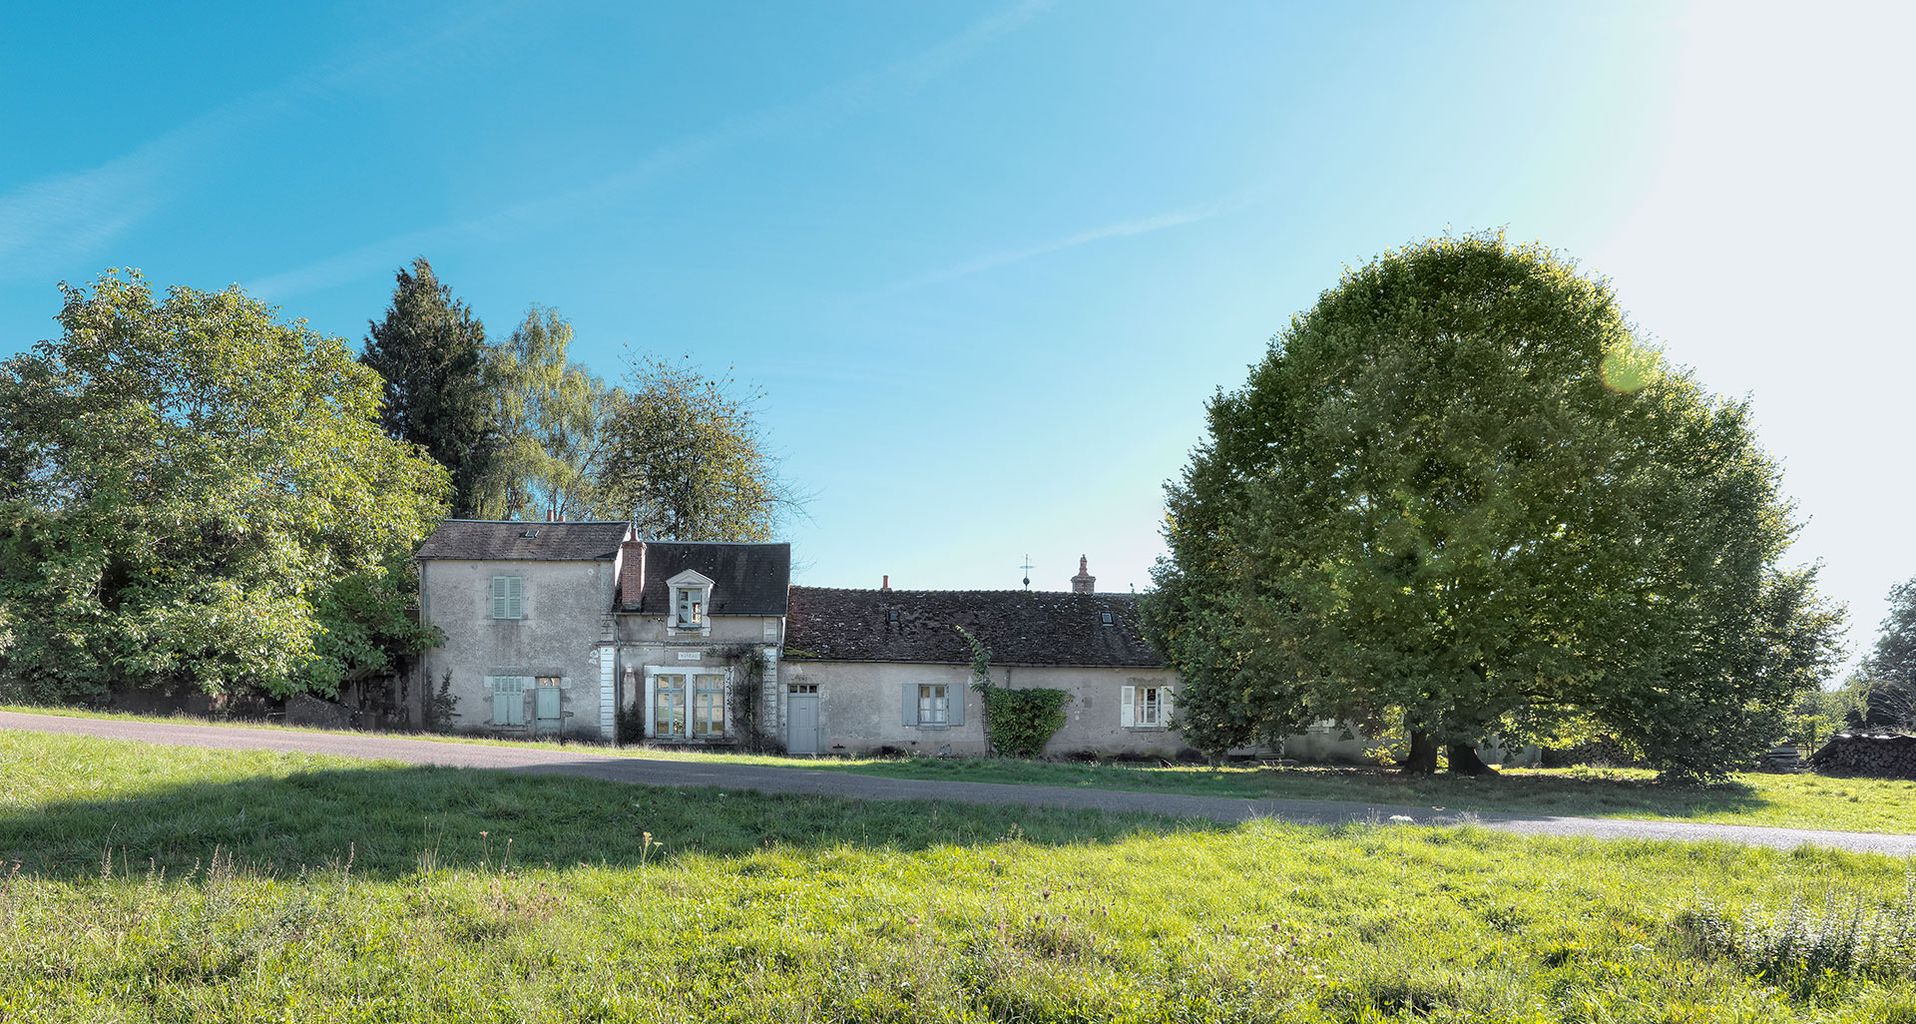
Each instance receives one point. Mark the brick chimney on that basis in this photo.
(886, 585)
(1083, 582)
(631, 572)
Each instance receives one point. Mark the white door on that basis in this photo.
(801, 723)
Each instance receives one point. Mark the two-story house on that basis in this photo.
(565, 629)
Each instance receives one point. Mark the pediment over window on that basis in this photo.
(691, 593)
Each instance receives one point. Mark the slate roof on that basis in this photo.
(485, 539)
(1021, 627)
(747, 578)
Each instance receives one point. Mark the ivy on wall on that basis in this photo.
(1018, 723)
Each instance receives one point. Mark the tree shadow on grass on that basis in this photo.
(1595, 793)
(386, 818)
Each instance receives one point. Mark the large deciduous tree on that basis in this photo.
(431, 350)
(683, 458)
(546, 414)
(1459, 497)
(1890, 670)
(197, 496)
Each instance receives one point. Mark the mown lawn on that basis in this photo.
(166, 884)
(1793, 801)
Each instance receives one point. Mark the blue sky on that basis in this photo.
(988, 260)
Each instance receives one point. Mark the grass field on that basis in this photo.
(1795, 801)
(168, 884)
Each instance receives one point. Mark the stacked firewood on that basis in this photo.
(1887, 756)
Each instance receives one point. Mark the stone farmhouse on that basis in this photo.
(584, 629)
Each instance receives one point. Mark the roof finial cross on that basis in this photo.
(1027, 568)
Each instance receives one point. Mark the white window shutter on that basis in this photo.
(1164, 705)
(909, 695)
(1128, 707)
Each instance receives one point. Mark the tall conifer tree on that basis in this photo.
(431, 350)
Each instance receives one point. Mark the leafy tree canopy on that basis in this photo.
(196, 495)
(546, 416)
(431, 351)
(684, 460)
(1890, 670)
(1459, 496)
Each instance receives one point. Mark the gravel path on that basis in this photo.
(767, 779)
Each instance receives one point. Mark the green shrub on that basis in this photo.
(1021, 722)
(1017, 722)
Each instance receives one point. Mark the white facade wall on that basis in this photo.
(649, 644)
(564, 629)
(862, 707)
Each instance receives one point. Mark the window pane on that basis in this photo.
(668, 706)
(708, 714)
(931, 704)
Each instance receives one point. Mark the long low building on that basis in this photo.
(587, 630)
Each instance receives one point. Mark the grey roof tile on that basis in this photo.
(489, 539)
(1021, 627)
(747, 578)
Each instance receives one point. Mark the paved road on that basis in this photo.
(767, 779)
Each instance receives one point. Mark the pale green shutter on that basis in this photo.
(501, 715)
(508, 699)
(955, 704)
(498, 597)
(515, 597)
(910, 698)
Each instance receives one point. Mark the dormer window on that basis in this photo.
(691, 601)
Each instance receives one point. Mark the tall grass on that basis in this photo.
(1807, 947)
(147, 884)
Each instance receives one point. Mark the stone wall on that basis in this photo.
(567, 618)
(1887, 757)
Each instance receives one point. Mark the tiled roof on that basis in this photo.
(747, 578)
(1021, 627)
(488, 539)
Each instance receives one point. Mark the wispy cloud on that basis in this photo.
(67, 218)
(811, 112)
(1089, 236)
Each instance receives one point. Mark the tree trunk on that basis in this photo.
(1464, 761)
(1422, 759)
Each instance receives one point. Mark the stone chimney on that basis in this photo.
(1083, 582)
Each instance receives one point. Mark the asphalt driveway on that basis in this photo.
(770, 779)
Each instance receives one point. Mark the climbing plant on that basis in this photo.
(1018, 723)
(748, 703)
